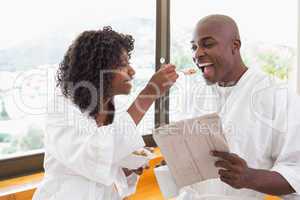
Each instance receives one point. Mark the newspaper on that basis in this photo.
(186, 147)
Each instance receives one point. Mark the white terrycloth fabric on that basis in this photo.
(81, 159)
(261, 122)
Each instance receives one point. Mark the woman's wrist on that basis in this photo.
(142, 103)
(151, 91)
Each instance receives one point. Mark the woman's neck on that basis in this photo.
(103, 114)
(101, 119)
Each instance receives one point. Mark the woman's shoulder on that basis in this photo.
(62, 109)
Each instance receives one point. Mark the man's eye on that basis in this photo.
(208, 45)
(194, 48)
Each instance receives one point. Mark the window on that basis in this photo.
(33, 42)
(268, 32)
(37, 34)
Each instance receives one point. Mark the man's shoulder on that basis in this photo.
(263, 80)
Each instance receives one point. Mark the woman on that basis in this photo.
(85, 139)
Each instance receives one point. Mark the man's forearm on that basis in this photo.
(269, 182)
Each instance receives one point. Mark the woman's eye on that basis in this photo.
(125, 65)
(122, 65)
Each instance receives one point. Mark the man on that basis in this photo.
(259, 121)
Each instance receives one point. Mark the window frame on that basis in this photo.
(22, 164)
(298, 53)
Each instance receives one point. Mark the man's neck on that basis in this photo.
(235, 79)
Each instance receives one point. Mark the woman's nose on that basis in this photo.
(131, 71)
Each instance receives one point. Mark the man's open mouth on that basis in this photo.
(202, 66)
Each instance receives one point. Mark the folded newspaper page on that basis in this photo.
(186, 147)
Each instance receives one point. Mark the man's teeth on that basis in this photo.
(204, 64)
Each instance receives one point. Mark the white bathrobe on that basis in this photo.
(262, 125)
(81, 159)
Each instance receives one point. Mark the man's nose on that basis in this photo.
(200, 52)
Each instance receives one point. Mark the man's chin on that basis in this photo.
(209, 82)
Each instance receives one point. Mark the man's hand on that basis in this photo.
(235, 172)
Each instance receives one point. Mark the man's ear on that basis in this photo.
(236, 46)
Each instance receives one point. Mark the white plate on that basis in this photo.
(135, 161)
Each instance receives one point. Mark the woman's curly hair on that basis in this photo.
(90, 54)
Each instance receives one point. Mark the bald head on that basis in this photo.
(221, 26)
(216, 45)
